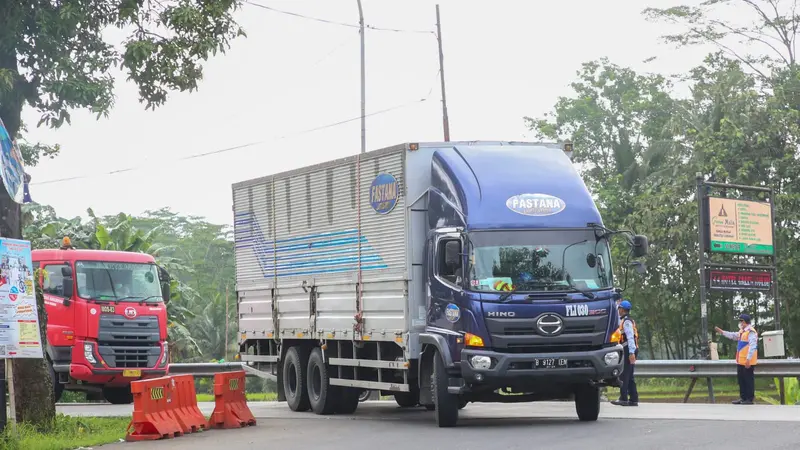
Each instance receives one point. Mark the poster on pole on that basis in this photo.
(740, 226)
(19, 314)
(12, 168)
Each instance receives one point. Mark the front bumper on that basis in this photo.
(581, 367)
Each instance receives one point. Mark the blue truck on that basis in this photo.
(439, 273)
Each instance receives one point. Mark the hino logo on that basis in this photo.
(502, 314)
(550, 324)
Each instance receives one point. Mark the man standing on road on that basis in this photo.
(629, 338)
(746, 358)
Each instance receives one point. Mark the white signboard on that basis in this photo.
(19, 315)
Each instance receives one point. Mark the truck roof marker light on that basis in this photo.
(66, 242)
(473, 341)
(413, 147)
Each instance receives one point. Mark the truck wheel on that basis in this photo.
(407, 399)
(587, 403)
(58, 388)
(364, 395)
(294, 379)
(348, 400)
(118, 395)
(446, 404)
(321, 395)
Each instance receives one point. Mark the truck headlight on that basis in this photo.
(481, 362)
(611, 359)
(163, 357)
(88, 353)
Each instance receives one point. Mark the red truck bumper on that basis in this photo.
(98, 372)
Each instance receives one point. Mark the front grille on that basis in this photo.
(520, 335)
(129, 343)
(126, 357)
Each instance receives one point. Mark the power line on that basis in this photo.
(250, 144)
(333, 22)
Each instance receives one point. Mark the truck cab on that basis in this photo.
(107, 319)
(521, 302)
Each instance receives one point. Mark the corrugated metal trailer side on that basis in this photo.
(318, 258)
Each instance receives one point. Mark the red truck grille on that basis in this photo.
(129, 343)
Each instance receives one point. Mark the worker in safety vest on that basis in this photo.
(629, 338)
(746, 358)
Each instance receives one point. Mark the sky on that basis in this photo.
(291, 75)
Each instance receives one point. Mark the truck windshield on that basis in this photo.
(545, 260)
(114, 281)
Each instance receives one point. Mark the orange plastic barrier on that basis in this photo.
(153, 406)
(230, 409)
(186, 412)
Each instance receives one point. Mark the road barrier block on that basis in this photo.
(230, 408)
(186, 411)
(153, 410)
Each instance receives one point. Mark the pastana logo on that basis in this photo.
(535, 204)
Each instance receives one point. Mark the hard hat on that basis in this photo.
(626, 305)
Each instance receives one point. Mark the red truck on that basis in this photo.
(107, 320)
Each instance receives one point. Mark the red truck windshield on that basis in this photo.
(113, 281)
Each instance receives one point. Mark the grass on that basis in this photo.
(672, 390)
(67, 433)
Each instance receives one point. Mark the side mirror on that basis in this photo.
(67, 286)
(66, 271)
(164, 279)
(639, 267)
(452, 254)
(640, 246)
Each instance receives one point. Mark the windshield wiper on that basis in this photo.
(144, 300)
(506, 296)
(588, 294)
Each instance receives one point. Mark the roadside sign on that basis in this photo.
(12, 169)
(739, 280)
(740, 226)
(19, 314)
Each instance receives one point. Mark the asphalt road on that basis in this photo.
(551, 425)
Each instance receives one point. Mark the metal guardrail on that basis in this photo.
(679, 368)
(203, 370)
(692, 368)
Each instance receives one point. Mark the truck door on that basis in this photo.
(60, 318)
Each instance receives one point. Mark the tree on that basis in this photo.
(55, 58)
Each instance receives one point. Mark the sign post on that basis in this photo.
(19, 313)
(741, 227)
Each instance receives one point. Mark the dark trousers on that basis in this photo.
(747, 382)
(628, 391)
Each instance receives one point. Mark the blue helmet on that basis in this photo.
(626, 305)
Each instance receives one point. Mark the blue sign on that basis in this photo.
(535, 204)
(452, 313)
(12, 169)
(383, 193)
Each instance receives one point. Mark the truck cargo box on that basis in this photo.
(337, 228)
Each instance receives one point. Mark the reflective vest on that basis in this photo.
(623, 339)
(743, 347)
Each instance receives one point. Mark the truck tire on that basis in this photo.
(294, 379)
(58, 388)
(348, 400)
(587, 403)
(446, 404)
(407, 399)
(118, 395)
(321, 395)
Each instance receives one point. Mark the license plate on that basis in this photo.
(550, 363)
(131, 373)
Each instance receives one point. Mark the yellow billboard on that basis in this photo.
(740, 226)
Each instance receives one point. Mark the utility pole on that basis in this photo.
(445, 119)
(363, 81)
